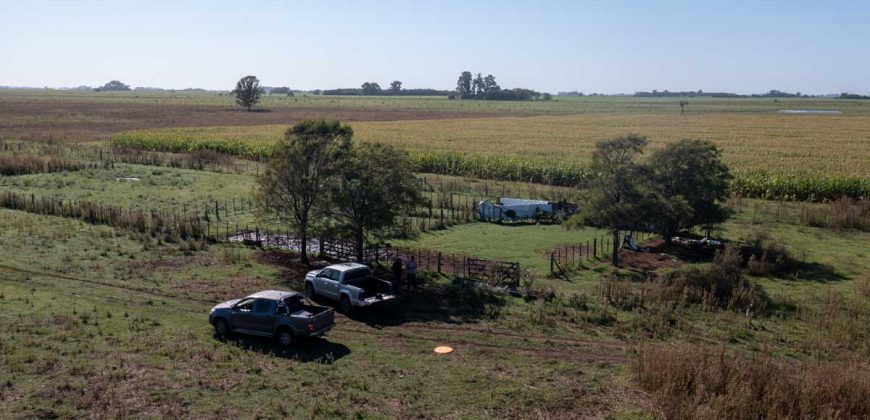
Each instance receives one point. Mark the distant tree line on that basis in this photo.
(570, 93)
(846, 95)
(668, 94)
(282, 90)
(374, 89)
(469, 86)
(114, 85)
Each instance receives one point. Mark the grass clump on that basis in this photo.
(698, 382)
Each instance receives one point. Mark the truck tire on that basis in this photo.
(309, 290)
(285, 337)
(344, 305)
(221, 328)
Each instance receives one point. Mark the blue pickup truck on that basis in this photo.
(286, 316)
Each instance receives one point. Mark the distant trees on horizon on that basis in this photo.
(113, 85)
(469, 86)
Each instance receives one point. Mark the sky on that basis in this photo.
(612, 46)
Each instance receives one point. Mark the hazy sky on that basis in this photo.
(591, 46)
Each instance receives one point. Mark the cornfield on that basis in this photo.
(814, 158)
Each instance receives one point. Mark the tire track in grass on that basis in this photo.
(400, 332)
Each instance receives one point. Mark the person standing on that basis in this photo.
(397, 272)
(411, 268)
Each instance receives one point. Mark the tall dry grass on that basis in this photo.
(698, 382)
(26, 163)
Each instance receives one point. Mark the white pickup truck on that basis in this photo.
(351, 284)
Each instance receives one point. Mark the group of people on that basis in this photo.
(409, 269)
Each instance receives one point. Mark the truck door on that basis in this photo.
(241, 315)
(263, 316)
(327, 283)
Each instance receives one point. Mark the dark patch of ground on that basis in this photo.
(65, 120)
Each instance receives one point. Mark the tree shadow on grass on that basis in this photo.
(450, 303)
(813, 271)
(315, 349)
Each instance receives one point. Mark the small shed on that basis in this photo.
(514, 209)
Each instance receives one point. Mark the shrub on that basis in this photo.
(764, 255)
(720, 285)
(697, 382)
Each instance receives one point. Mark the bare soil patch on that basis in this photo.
(85, 121)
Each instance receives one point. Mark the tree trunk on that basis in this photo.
(303, 241)
(359, 239)
(616, 244)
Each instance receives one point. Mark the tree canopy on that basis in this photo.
(371, 88)
(114, 85)
(691, 183)
(376, 184)
(679, 187)
(616, 200)
(248, 92)
(293, 187)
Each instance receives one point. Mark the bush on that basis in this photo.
(720, 285)
(697, 382)
(763, 255)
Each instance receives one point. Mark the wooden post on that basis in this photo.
(594, 247)
(551, 264)
(439, 262)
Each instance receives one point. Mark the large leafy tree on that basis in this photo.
(489, 84)
(617, 200)
(463, 86)
(371, 88)
(248, 92)
(691, 184)
(395, 87)
(478, 87)
(295, 184)
(376, 184)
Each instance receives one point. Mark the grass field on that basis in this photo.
(110, 322)
(105, 326)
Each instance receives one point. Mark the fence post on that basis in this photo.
(439, 262)
(594, 248)
(551, 263)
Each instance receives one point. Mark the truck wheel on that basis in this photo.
(285, 337)
(309, 291)
(221, 328)
(344, 305)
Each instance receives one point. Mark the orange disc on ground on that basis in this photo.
(443, 349)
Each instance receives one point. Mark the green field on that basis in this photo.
(109, 321)
(559, 105)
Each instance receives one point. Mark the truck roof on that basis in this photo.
(273, 294)
(347, 266)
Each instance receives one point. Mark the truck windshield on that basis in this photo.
(357, 273)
